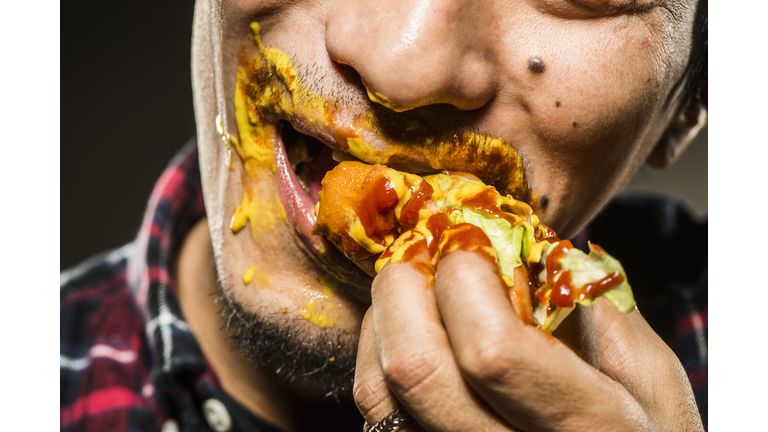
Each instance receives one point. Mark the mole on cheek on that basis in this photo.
(543, 201)
(557, 104)
(535, 64)
(574, 124)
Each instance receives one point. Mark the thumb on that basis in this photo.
(632, 354)
(626, 340)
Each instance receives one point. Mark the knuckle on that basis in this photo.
(489, 359)
(371, 399)
(408, 370)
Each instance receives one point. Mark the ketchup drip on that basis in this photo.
(418, 256)
(485, 202)
(557, 253)
(595, 289)
(545, 233)
(564, 294)
(467, 237)
(436, 224)
(377, 210)
(410, 215)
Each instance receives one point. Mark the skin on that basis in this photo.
(603, 103)
(454, 359)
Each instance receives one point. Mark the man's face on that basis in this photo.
(572, 96)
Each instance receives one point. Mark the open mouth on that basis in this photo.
(302, 162)
(309, 158)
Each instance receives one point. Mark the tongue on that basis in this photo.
(313, 172)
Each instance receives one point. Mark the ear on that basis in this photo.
(683, 128)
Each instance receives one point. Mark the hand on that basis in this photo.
(455, 355)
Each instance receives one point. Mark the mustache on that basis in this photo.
(334, 108)
(438, 141)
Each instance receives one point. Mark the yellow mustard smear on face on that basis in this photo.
(322, 315)
(380, 99)
(256, 144)
(261, 213)
(489, 158)
(319, 315)
(254, 272)
(256, 149)
(269, 88)
(273, 89)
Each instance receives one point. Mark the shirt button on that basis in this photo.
(216, 415)
(170, 425)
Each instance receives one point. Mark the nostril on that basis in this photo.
(348, 73)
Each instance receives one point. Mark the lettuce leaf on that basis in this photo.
(509, 244)
(515, 244)
(594, 267)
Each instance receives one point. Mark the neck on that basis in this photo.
(257, 388)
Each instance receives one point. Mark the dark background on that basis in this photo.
(127, 109)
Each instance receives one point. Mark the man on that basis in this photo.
(232, 316)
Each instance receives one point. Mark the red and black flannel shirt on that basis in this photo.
(130, 363)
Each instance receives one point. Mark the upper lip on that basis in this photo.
(327, 136)
(422, 148)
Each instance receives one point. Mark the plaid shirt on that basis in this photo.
(129, 361)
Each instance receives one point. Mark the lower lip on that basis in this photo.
(300, 212)
(299, 206)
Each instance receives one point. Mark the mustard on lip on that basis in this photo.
(268, 88)
(272, 89)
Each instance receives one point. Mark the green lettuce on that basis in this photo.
(507, 242)
(513, 245)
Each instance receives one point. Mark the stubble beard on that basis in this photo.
(296, 350)
(293, 348)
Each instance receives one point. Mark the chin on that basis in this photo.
(320, 357)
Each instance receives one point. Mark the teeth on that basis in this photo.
(340, 156)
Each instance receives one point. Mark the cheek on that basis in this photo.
(600, 90)
(589, 112)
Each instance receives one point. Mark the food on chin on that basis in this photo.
(375, 215)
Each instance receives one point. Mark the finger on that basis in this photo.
(578, 332)
(372, 396)
(529, 377)
(635, 356)
(416, 357)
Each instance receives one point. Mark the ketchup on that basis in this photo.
(467, 237)
(436, 224)
(558, 252)
(598, 248)
(545, 233)
(485, 202)
(564, 294)
(376, 210)
(595, 289)
(410, 215)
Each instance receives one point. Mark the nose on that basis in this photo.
(412, 53)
